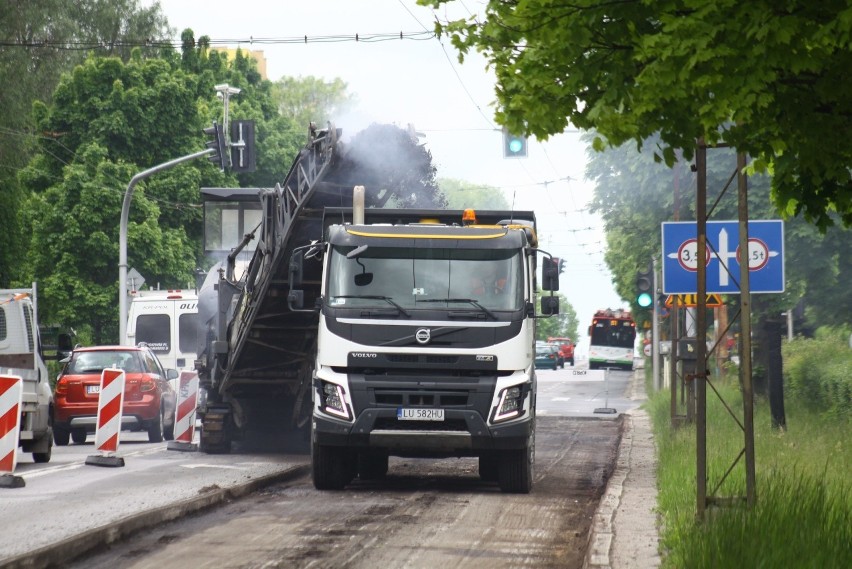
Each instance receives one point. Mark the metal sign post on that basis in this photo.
(606, 408)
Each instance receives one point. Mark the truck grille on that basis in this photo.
(422, 399)
(392, 424)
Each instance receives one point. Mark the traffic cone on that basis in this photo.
(110, 404)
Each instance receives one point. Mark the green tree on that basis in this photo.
(634, 194)
(463, 195)
(769, 79)
(36, 37)
(305, 100)
(111, 120)
(565, 324)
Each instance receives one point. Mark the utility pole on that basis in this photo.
(122, 235)
(655, 329)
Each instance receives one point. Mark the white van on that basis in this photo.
(167, 321)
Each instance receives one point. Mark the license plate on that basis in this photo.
(90, 389)
(403, 414)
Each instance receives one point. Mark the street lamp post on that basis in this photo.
(122, 235)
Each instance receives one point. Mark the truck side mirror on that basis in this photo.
(549, 274)
(550, 305)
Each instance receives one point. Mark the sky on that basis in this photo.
(422, 83)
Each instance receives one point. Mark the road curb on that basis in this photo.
(62, 552)
(602, 533)
(624, 532)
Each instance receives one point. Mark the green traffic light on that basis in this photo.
(644, 300)
(516, 145)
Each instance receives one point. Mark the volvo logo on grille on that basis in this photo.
(423, 335)
(364, 355)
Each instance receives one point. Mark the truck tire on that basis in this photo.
(61, 436)
(331, 467)
(488, 467)
(44, 457)
(571, 362)
(516, 467)
(372, 465)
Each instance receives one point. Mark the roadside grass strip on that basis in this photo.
(803, 516)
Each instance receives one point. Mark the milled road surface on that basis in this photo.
(427, 513)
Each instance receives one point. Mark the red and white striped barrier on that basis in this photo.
(187, 400)
(11, 393)
(110, 404)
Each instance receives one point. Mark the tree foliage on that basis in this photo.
(463, 195)
(634, 194)
(109, 120)
(304, 100)
(39, 44)
(768, 78)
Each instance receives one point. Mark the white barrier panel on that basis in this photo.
(587, 374)
(11, 393)
(110, 404)
(187, 401)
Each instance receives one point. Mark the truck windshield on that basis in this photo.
(492, 278)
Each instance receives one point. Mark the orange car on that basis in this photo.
(566, 348)
(149, 400)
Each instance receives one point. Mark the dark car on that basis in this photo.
(149, 399)
(546, 356)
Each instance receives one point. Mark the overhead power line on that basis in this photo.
(250, 41)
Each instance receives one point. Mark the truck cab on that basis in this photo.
(22, 354)
(425, 345)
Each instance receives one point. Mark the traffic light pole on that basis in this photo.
(122, 235)
(655, 332)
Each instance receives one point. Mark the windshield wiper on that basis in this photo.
(387, 299)
(472, 301)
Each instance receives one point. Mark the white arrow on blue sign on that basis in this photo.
(765, 256)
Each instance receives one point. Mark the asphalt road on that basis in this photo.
(426, 512)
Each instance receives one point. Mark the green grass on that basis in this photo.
(803, 516)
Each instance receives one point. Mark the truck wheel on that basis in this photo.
(331, 467)
(61, 436)
(516, 467)
(571, 362)
(488, 467)
(220, 444)
(155, 429)
(78, 436)
(372, 465)
(43, 457)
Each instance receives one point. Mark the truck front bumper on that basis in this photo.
(461, 433)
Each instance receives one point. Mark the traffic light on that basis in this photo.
(561, 266)
(217, 143)
(645, 287)
(514, 146)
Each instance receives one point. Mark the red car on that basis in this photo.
(566, 349)
(149, 399)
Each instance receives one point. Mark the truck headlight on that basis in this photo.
(510, 405)
(333, 401)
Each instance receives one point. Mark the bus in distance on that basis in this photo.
(613, 335)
